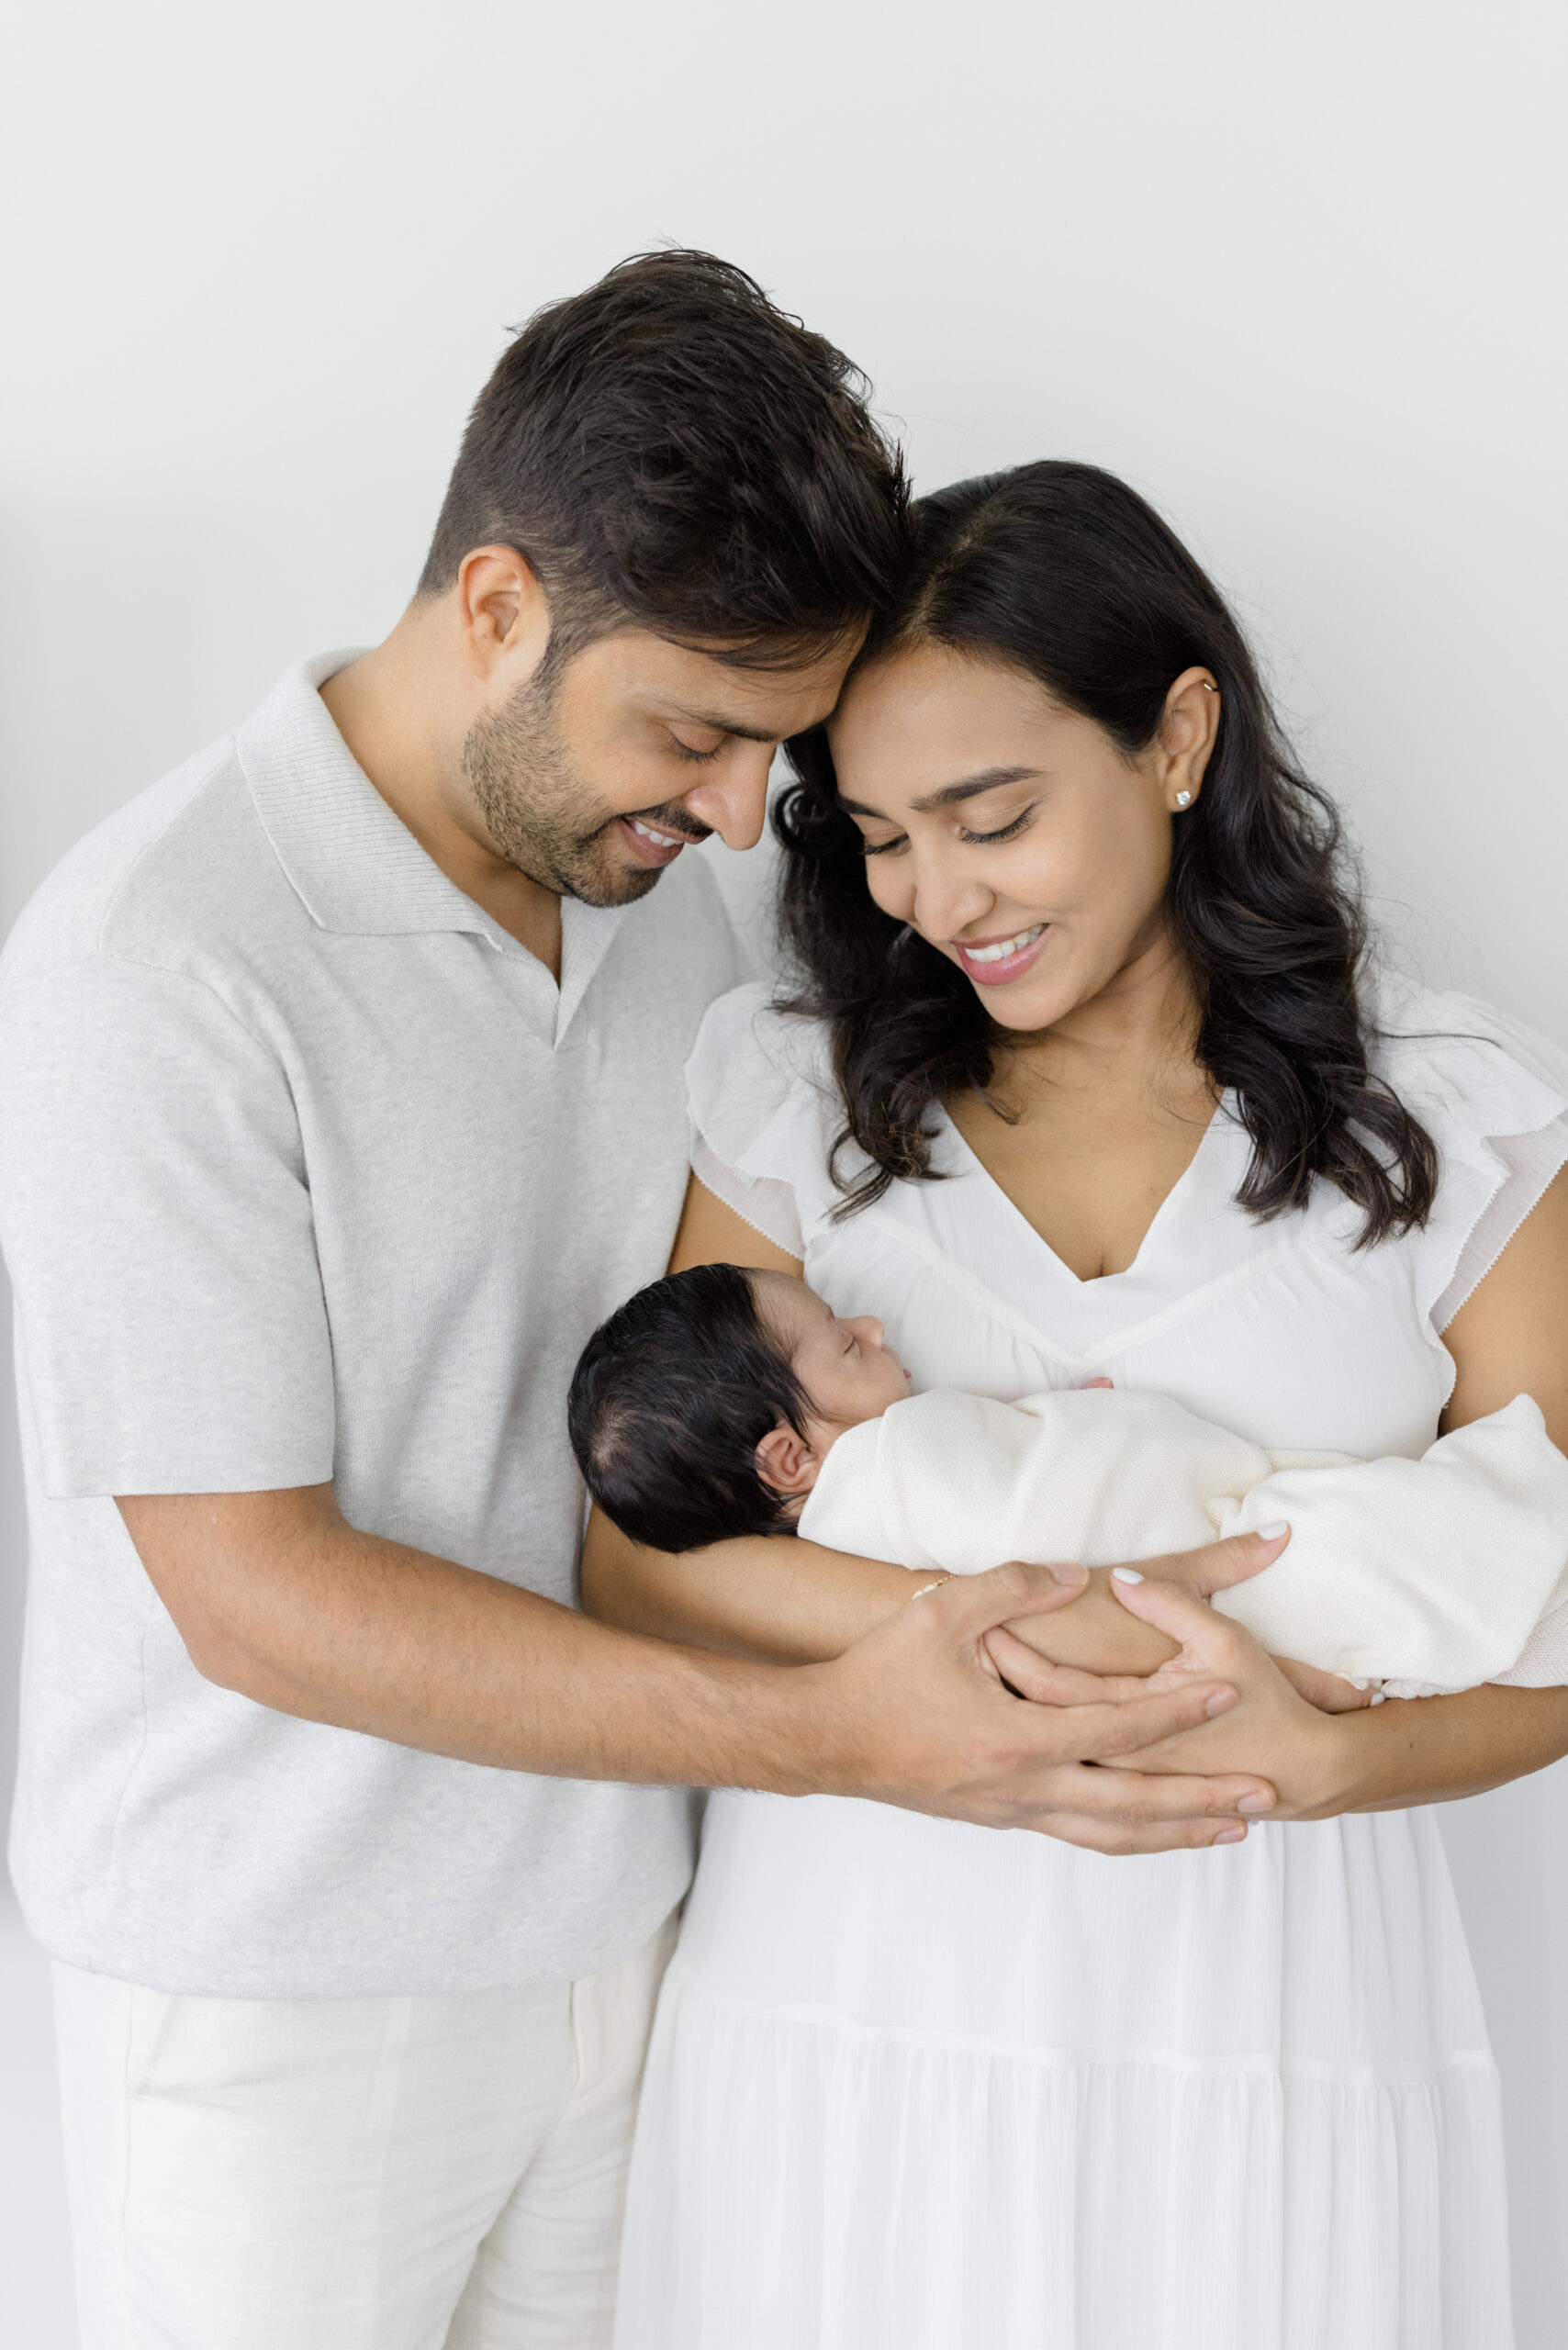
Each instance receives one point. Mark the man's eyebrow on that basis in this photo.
(950, 794)
(727, 725)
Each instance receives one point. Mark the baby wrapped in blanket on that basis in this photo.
(722, 1401)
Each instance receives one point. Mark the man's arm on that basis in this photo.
(277, 1598)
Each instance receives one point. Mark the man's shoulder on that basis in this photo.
(178, 865)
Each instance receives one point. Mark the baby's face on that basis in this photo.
(845, 1367)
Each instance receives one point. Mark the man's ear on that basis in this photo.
(504, 614)
(786, 1461)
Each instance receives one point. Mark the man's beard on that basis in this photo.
(543, 814)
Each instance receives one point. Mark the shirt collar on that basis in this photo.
(354, 865)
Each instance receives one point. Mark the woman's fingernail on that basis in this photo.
(1069, 1575)
(1272, 1531)
(1257, 1801)
(1230, 1836)
(1127, 1574)
(1220, 1703)
(1360, 1684)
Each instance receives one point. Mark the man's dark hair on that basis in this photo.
(671, 451)
(668, 1402)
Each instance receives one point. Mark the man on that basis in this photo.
(342, 1086)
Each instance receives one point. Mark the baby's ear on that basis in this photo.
(786, 1461)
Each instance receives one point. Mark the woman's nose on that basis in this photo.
(947, 902)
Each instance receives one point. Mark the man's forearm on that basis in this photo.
(310, 1616)
(275, 1596)
(1433, 1749)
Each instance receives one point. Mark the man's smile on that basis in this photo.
(652, 845)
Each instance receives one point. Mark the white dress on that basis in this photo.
(916, 2086)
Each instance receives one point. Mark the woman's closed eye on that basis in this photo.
(1007, 831)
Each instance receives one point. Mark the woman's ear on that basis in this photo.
(786, 1461)
(1187, 737)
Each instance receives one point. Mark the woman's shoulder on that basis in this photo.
(1493, 1093)
(760, 1082)
(1469, 1071)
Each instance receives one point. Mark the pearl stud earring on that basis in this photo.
(1183, 798)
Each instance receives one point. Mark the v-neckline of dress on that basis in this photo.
(1169, 1206)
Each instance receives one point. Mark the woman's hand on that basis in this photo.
(1273, 1729)
(1097, 1636)
(1330, 1691)
(1294, 1743)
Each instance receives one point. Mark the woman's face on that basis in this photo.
(1011, 832)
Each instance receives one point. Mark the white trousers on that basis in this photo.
(405, 2174)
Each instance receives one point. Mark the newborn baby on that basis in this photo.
(722, 1401)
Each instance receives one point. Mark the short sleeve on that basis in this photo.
(156, 1220)
(1493, 1095)
(765, 1116)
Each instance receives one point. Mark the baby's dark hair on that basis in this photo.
(669, 1401)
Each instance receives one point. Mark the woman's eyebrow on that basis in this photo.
(949, 795)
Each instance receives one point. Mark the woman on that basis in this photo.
(1084, 1078)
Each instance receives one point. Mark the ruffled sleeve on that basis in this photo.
(1493, 1096)
(764, 1115)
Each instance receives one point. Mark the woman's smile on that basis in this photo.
(991, 962)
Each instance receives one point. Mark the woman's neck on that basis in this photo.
(1138, 1036)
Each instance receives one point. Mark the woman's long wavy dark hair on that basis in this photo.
(1064, 571)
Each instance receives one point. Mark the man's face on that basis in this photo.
(593, 779)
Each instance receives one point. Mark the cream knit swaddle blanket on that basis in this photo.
(1429, 1575)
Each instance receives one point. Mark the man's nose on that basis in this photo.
(734, 805)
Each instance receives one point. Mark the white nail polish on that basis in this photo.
(1127, 1574)
(1272, 1531)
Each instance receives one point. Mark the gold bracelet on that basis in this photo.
(930, 1586)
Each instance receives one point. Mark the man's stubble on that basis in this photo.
(542, 813)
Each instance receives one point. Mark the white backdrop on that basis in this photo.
(1296, 269)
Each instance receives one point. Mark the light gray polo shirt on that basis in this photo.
(308, 1170)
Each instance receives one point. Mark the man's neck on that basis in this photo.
(393, 710)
